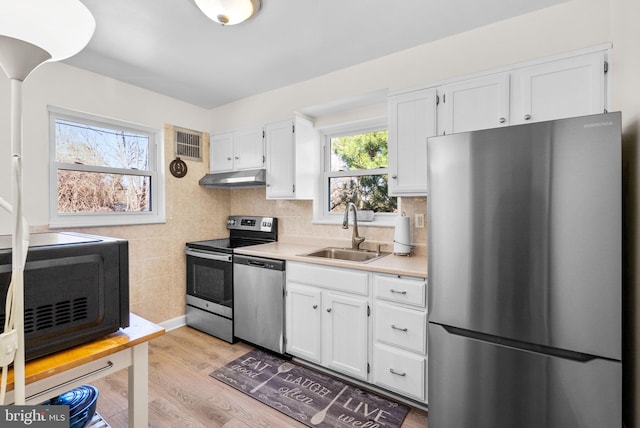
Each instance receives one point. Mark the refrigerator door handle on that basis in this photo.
(526, 346)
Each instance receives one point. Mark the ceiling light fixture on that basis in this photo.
(229, 12)
(32, 32)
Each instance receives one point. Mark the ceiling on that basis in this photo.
(170, 47)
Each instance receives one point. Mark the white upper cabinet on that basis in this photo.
(249, 148)
(412, 118)
(238, 149)
(221, 158)
(474, 104)
(280, 148)
(293, 159)
(564, 88)
(555, 89)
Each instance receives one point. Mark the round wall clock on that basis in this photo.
(178, 168)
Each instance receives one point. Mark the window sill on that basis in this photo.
(379, 221)
(104, 221)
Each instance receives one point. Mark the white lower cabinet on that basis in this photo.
(304, 322)
(324, 324)
(400, 371)
(401, 327)
(400, 335)
(377, 333)
(404, 290)
(345, 327)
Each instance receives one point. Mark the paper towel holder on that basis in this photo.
(402, 236)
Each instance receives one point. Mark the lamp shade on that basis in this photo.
(229, 12)
(61, 27)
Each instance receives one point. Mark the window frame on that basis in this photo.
(322, 214)
(156, 214)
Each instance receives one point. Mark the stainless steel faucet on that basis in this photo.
(356, 240)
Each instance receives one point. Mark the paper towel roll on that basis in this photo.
(402, 236)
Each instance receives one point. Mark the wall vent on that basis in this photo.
(188, 144)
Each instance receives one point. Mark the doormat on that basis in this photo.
(312, 398)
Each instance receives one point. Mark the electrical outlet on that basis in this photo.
(419, 220)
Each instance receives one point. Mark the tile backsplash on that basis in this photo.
(295, 219)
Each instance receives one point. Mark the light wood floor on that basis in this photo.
(182, 394)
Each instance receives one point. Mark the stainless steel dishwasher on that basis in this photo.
(258, 301)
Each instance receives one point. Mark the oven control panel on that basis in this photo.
(259, 224)
(266, 224)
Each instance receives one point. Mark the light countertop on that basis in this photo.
(413, 265)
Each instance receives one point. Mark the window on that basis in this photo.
(356, 170)
(103, 172)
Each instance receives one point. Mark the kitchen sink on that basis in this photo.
(348, 254)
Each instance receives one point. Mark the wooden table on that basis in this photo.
(52, 375)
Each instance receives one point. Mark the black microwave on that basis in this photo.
(76, 289)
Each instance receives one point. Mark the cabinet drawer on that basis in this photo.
(401, 371)
(401, 289)
(402, 327)
(347, 280)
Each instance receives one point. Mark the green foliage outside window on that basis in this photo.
(367, 156)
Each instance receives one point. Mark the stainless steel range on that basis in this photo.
(210, 273)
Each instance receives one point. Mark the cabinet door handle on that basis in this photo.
(228, 158)
(315, 306)
(527, 116)
(394, 176)
(328, 309)
(237, 157)
(398, 328)
(398, 291)
(502, 120)
(392, 371)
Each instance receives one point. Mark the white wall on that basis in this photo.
(566, 27)
(625, 68)
(60, 85)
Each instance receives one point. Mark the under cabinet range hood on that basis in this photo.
(234, 179)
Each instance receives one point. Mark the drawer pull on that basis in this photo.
(392, 371)
(69, 382)
(398, 328)
(398, 291)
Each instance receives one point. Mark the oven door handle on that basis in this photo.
(208, 255)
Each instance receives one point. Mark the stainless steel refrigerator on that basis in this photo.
(525, 276)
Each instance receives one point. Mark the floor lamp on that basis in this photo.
(31, 32)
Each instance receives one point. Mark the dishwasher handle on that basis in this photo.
(259, 262)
